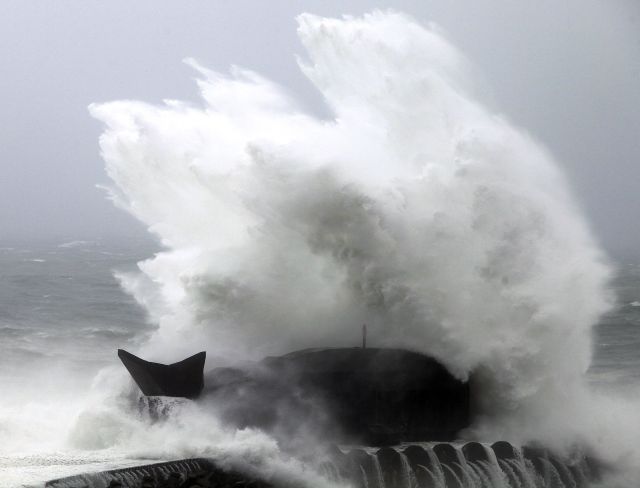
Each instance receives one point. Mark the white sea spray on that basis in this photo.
(413, 209)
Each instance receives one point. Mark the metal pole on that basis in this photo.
(364, 336)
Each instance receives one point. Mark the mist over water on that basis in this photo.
(414, 209)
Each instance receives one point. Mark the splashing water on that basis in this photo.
(472, 465)
(413, 209)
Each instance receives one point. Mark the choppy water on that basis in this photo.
(60, 306)
(415, 209)
(616, 361)
(63, 315)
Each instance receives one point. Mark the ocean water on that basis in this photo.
(63, 314)
(414, 208)
(616, 360)
(67, 405)
(61, 303)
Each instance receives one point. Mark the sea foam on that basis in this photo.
(413, 208)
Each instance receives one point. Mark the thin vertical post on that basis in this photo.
(364, 336)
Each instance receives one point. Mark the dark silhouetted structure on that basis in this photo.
(182, 379)
(371, 396)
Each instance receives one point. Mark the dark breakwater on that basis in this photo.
(185, 473)
(425, 465)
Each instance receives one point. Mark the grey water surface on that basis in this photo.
(62, 307)
(61, 304)
(63, 314)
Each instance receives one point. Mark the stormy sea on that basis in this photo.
(414, 208)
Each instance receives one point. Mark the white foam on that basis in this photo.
(415, 210)
(75, 244)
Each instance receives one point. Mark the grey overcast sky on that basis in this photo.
(567, 71)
